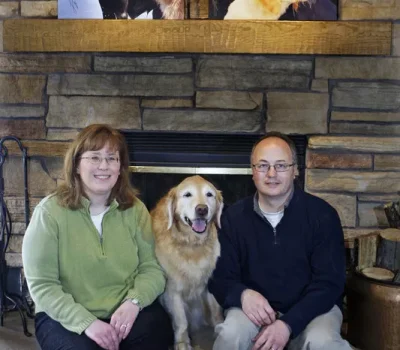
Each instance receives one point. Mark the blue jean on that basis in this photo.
(152, 330)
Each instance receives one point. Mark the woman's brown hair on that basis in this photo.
(93, 138)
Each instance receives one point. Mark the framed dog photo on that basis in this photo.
(294, 10)
(121, 9)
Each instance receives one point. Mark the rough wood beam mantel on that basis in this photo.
(203, 36)
(39, 148)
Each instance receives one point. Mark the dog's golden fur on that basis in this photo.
(187, 247)
(172, 9)
(260, 9)
(238, 9)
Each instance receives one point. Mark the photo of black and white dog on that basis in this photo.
(130, 9)
(121, 9)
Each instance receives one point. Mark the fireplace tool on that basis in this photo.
(17, 302)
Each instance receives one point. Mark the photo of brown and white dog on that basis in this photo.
(260, 9)
(185, 227)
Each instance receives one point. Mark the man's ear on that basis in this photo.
(296, 170)
(171, 206)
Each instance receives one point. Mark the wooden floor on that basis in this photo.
(12, 336)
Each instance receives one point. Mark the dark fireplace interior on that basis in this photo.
(159, 161)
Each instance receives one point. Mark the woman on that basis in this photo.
(88, 255)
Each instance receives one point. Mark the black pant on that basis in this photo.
(152, 330)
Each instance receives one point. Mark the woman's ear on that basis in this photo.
(76, 163)
(220, 206)
(171, 206)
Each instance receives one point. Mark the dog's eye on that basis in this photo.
(187, 195)
(209, 194)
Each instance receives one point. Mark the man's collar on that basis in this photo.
(256, 204)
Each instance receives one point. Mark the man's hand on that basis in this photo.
(272, 337)
(103, 334)
(123, 319)
(257, 308)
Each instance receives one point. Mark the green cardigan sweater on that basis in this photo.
(75, 276)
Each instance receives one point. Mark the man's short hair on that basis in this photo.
(281, 136)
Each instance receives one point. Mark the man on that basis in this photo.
(281, 273)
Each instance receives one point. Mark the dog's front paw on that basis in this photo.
(182, 346)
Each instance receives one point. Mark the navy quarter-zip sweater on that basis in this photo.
(299, 266)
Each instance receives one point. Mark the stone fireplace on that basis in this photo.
(347, 107)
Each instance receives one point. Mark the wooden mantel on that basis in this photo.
(198, 36)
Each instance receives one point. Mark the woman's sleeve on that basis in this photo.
(150, 280)
(40, 261)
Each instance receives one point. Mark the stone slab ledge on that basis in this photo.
(356, 143)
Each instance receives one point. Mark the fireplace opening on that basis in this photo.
(160, 160)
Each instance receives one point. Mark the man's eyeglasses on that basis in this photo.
(96, 160)
(279, 168)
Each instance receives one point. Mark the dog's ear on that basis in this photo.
(171, 206)
(220, 206)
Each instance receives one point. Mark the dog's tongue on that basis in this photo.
(199, 225)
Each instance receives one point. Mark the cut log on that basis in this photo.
(366, 250)
(392, 211)
(388, 256)
(378, 273)
(349, 243)
(391, 234)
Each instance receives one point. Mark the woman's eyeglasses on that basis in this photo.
(96, 160)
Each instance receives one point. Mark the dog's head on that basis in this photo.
(194, 203)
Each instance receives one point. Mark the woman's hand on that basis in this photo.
(103, 334)
(123, 319)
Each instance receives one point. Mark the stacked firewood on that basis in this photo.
(378, 254)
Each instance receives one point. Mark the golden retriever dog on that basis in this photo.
(260, 9)
(185, 227)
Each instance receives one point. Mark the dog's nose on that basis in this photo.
(201, 210)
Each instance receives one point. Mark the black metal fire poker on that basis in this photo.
(19, 303)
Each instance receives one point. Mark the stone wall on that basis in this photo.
(349, 107)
